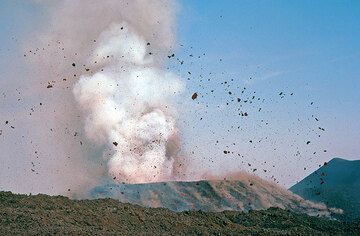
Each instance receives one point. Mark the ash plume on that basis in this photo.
(127, 109)
(117, 50)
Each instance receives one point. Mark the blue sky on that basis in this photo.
(305, 41)
(309, 49)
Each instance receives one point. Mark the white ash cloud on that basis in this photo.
(66, 155)
(127, 107)
(118, 48)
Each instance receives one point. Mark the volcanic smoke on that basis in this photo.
(102, 63)
(124, 93)
(127, 108)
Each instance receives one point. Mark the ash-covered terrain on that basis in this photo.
(243, 193)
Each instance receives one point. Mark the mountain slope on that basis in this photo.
(246, 192)
(337, 184)
(57, 215)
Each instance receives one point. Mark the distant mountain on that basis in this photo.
(337, 184)
(247, 192)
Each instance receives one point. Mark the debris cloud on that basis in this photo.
(127, 107)
(123, 91)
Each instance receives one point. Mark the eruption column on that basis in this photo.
(127, 107)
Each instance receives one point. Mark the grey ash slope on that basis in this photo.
(247, 192)
(337, 184)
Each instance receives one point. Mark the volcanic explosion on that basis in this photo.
(115, 53)
(127, 109)
(116, 50)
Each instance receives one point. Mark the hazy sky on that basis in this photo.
(301, 58)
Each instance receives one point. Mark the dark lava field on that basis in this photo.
(58, 215)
